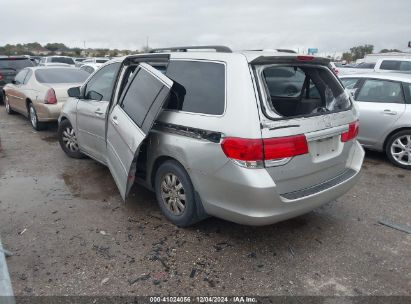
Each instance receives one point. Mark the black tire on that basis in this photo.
(34, 121)
(1, 97)
(62, 133)
(189, 215)
(9, 110)
(390, 149)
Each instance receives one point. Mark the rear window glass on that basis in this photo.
(61, 75)
(199, 87)
(140, 95)
(15, 64)
(365, 65)
(302, 90)
(62, 60)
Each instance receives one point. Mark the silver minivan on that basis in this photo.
(219, 133)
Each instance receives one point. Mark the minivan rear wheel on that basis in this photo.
(175, 194)
(398, 149)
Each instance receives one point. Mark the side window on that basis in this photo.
(405, 66)
(390, 65)
(100, 86)
(383, 91)
(407, 91)
(19, 79)
(140, 95)
(199, 87)
(30, 72)
(349, 83)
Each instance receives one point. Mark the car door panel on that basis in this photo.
(92, 112)
(381, 104)
(91, 118)
(126, 131)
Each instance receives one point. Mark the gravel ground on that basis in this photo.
(71, 234)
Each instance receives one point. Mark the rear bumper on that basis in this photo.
(250, 197)
(48, 112)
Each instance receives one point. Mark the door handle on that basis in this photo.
(114, 120)
(99, 112)
(389, 112)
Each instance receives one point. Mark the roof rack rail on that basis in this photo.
(217, 48)
(276, 50)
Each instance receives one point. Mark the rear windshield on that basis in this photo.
(301, 90)
(62, 60)
(61, 75)
(15, 63)
(101, 60)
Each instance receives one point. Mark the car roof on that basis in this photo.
(248, 55)
(386, 76)
(394, 59)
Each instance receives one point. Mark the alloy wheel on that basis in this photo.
(33, 117)
(401, 150)
(70, 139)
(173, 194)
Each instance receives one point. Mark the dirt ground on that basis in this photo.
(71, 234)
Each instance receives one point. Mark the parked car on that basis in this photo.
(99, 60)
(40, 92)
(399, 65)
(9, 67)
(363, 67)
(57, 61)
(210, 138)
(384, 101)
(78, 61)
(90, 67)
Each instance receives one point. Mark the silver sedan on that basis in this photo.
(384, 101)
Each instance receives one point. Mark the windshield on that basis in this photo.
(303, 90)
(61, 75)
(15, 63)
(62, 60)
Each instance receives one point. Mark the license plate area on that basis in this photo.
(324, 148)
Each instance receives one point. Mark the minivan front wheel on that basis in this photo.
(68, 139)
(398, 149)
(175, 194)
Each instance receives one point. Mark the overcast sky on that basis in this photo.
(330, 25)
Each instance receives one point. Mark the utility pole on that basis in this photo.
(147, 43)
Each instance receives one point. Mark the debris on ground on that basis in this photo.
(104, 281)
(24, 230)
(387, 223)
(143, 277)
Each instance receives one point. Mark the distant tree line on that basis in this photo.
(359, 52)
(35, 48)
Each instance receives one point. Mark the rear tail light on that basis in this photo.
(1, 77)
(50, 97)
(352, 132)
(254, 153)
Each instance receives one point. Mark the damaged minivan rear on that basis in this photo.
(250, 137)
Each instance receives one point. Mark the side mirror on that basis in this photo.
(14, 82)
(74, 92)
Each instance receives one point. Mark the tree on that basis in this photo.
(56, 47)
(390, 50)
(347, 56)
(359, 52)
